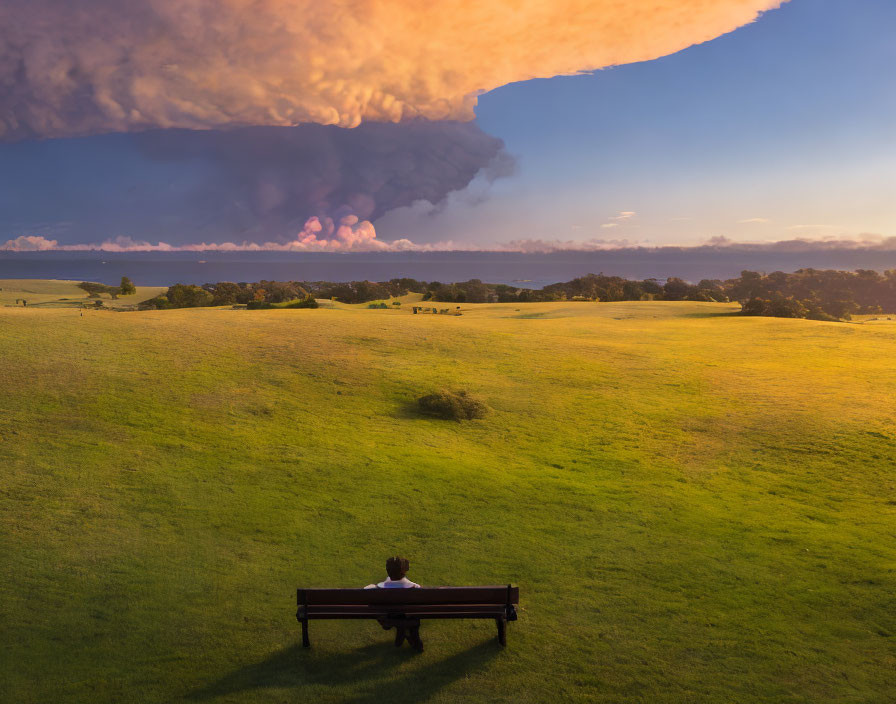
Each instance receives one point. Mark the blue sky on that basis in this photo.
(782, 129)
(789, 120)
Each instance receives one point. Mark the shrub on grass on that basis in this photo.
(452, 405)
(306, 302)
(259, 305)
(818, 314)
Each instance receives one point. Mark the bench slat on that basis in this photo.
(404, 608)
(433, 615)
(425, 596)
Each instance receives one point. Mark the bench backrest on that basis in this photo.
(427, 596)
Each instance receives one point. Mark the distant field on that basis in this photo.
(66, 294)
(697, 506)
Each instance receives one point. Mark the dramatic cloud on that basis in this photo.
(79, 67)
(281, 176)
(256, 184)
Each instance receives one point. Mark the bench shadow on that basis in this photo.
(372, 667)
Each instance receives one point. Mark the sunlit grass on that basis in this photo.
(696, 506)
(66, 294)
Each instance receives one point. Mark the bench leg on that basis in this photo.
(415, 638)
(305, 642)
(399, 636)
(502, 630)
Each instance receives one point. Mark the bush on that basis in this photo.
(380, 305)
(818, 314)
(452, 405)
(159, 302)
(306, 302)
(258, 305)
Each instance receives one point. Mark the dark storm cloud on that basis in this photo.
(284, 175)
(301, 186)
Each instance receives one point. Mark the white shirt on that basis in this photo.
(403, 583)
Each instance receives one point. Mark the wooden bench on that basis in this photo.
(404, 608)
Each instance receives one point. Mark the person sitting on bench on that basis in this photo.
(396, 568)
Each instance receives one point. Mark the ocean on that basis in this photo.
(524, 270)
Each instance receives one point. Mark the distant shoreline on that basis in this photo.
(529, 270)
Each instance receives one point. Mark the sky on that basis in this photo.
(781, 129)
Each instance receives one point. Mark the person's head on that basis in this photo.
(397, 567)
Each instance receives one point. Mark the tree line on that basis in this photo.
(807, 293)
(95, 290)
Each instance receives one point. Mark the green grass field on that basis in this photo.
(697, 506)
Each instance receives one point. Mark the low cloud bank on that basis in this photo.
(352, 235)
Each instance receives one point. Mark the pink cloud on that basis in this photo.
(29, 243)
(353, 235)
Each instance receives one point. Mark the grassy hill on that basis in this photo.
(55, 293)
(697, 506)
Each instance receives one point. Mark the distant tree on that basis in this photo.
(676, 289)
(406, 285)
(95, 290)
(475, 291)
(281, 291)
(702, 294)
(749, 285)
(754, 306)
(127, 287)
(506, 294)
(226, 293)
(651, 286)
(781, 307)
(632, 291)
(187, 296)
(711, 290)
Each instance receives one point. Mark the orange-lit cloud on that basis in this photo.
(76, 67)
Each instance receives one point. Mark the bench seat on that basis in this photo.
(406, 607)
